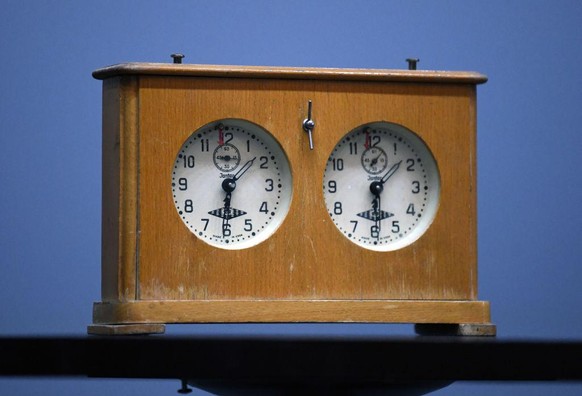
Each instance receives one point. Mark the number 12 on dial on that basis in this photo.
(381, 186)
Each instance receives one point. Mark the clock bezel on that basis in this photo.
(264, 138)
(432, 199)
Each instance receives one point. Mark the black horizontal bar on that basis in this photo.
(287, 360)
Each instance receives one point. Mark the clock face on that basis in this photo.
(231, 184)
(381, 186)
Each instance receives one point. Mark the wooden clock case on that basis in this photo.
(155, 271)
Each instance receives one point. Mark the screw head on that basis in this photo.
(308, 124)
(177, 58)
(412, 63)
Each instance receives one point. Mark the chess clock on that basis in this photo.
(239, 194)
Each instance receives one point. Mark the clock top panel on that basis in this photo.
(293, 73)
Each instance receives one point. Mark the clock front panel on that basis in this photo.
(305, 256)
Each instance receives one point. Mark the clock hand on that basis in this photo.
(244, 168)
(375, 160)
(390, 172)
(376, 187)
(226, 214)
(377, 211)
(227, 200)
(228, 185)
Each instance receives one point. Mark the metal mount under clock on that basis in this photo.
(239, 194)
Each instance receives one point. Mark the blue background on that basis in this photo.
(529, 146)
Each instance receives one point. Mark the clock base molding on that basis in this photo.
(453, 317)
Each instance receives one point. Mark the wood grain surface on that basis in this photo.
(294, 73)
(323, 311)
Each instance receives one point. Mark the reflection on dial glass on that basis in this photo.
(231, 184)
(381, 186)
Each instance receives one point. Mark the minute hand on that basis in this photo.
(244, 168)
(390, 172)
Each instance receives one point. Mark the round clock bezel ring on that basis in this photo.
(383, 210)
(239, 200)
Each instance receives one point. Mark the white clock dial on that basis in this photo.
(381, 186)
(231, 184)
